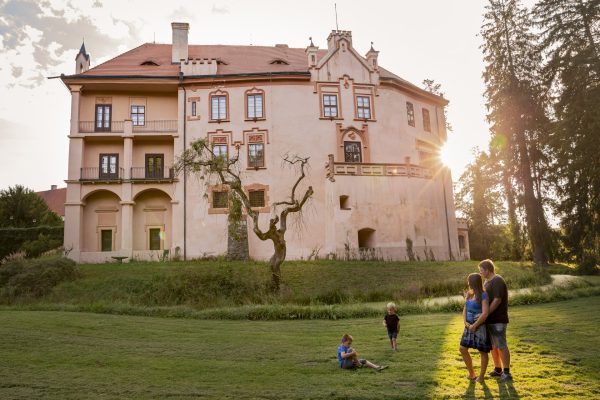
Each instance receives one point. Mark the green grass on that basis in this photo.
(209, 284)
(58, 355)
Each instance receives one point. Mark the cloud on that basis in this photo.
(219, 10)
(97, 4)
(17, 71)
(53, 30)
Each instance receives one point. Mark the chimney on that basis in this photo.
(52, 187)
(180, 41)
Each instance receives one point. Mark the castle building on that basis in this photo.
(372, 137)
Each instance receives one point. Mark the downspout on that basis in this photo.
(184, 169)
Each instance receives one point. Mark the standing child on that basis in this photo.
(348, 358)
(392, 322)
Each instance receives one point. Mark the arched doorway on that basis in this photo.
(152, 221)
(366, 238)
(101, 222)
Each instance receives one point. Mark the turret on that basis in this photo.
(82, 60)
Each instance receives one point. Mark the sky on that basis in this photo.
(417, 40)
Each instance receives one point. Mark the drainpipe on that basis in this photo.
(184, 169)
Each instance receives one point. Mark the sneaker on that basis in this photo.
(381, 367)
(506, 376)
(495, 374)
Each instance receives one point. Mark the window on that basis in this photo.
(220, 150)
(103, 115)
(255, 105)
(154, 239)
(218, 110)
(138, 115)
(344, 202)
(330, 107)
(155, 166)
(106, 240)
(193, 108)
(410, 113)
(220, 199)
(257, 198)
(461, 242)
(363, 107)
(109, 165)
(256, 155)
(352, 152)
(426, 121)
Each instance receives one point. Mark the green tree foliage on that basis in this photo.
(480, 199)
(570, 41)
(516, 109)
(22, 208)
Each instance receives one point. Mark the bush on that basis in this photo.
(35, 248)
(34, 278)
(587, 266)
(11, 239)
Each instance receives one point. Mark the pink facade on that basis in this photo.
(373, 140)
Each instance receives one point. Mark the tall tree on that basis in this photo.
(480, 199)
(20, 207)
(571, 43)
(515, 109)
(200, 159)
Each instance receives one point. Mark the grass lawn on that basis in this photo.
(218, 283)
(555, 350)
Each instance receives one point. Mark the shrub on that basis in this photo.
(588, 265)
(34, 278)
(35, 248)
(11, 239)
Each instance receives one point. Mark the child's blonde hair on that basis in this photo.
(391, 306)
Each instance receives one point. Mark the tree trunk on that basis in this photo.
(516, 249)
(276, 260)
(532, 208)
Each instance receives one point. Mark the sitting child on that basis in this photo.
(348, 358)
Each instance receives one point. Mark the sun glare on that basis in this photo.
(446, 155)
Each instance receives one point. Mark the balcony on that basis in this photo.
(96, 175)
(159, 126)
(143, 174)
(90, 127)
(406, 170)
(167, 125)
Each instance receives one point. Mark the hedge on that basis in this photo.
(11, 239)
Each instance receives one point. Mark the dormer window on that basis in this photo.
(279, 61)
(150, 62)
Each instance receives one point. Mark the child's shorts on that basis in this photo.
(349, 363)
(392, 334)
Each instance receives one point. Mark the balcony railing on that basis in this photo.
(152, 174)
(93, 174)
(91, 126)
(408, 170)
(166, 125)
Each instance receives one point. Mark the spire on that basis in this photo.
(82, 51)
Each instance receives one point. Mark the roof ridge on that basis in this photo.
(115, 57)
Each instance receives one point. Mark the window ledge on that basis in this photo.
(255, 168)
(218, 211)
(255, 119)
(365, 119)
(193, 118)
(217, 121)
(331, 118)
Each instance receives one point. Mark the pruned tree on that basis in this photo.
(200, 159)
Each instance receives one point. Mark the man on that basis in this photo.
(497, 319)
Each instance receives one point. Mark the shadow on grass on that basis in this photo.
(507, 390)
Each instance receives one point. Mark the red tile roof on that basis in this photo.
(55, 199)
(235, 60)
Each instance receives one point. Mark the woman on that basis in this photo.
(474, 336)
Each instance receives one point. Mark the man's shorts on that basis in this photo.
(349, 363)
(393, 335)
(497, 334)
